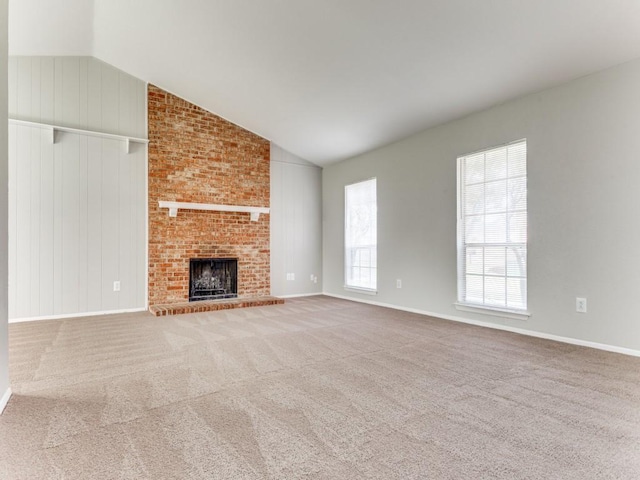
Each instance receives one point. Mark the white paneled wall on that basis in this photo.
(296, 225)
(5, 391)
(77, 207)
(77, 92)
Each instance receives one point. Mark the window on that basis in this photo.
(360, 239)
(492, 228)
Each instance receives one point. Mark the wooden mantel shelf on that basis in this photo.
(175, 206)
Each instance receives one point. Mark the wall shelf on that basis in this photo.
(57, 128)
(175, 206)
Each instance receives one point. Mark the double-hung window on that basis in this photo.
(360, 240)
(492, 228)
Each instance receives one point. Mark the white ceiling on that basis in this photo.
(329, 79)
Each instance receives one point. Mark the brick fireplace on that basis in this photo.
(198, 157)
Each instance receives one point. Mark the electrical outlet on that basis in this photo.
(315, 279)
(311, 277)
(291, 276)
(398, 283)
(581, 305)
(116, 286)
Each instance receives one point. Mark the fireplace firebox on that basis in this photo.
(213, 278)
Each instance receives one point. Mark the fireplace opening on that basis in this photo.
(212, 278)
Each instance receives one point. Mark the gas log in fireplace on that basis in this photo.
(213, 278)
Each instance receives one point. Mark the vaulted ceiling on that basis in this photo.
(330, 79)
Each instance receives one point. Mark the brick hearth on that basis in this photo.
(213, 305)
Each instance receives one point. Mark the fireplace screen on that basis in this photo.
(212, 278)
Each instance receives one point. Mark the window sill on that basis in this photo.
(366, 291)
(495, 311)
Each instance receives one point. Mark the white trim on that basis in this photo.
(5, 400)
(463, 245)
(76, 315)
(521, 331)
(346, 234)
(175, 206)
(495, 311)
(92, 133)
(300, 295)
(495, 147)
(365, 291)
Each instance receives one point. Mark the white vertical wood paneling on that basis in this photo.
(94, 96)
(12, 77)
(47, 222)
(110, 222)
(58, 91)
(58, 218)
(23, 212)
(23, 93)
(83, 73)
(77, 207)
(83, 208)
(296, 224)
(139, 187)
(12, 215)
(109, 97)
(35, 213)
(5, 390)
(142, 119)
(70, 145)
(47, 88)
(36, 95)
(71, 92)
(289, 220)
(94, 225)
(125, 232)
(125, 98)
(278, 249)
(79, 92)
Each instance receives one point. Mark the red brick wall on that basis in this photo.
(195, 156)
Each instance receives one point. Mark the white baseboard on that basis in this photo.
(300, 295)
(75, 315)
(4, 400)
(521, 331)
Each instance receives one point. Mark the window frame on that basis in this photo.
(462, 303)
(373, 270)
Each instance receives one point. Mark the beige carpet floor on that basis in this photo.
(317, 388)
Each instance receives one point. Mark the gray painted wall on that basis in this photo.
(4, 174)
(296, 224)
(584, 227)
(77, 219)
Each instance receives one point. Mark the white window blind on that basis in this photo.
(492, 227)
(361, 260)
